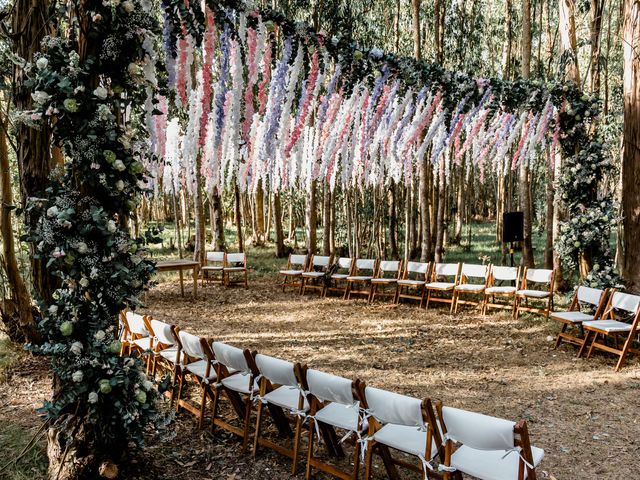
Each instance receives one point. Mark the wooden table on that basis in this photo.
(180, 266)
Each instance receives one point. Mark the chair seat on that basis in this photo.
(532, 293)
(214, 268)
(313, 274)
(143, 343)
(490, 464)
(441, 285)
(573, 317)
(607, 326)
(234, 269)
(240, 383)
(410, 283)
(359, 278)
(285, 397)
(199, 368)
(291, 273)
(339, 276)
(500, 289)
(340, 416)
(169, 354)
(470, 287)
(384, 280)
(406, 439)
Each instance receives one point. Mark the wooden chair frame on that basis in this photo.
(390, 463)
(228, 270)
(564, 335)
(592, 334)
(307, 280)
(376, 283)
(434, 278)
(207, 268)
(519, 297)
(128, 337)
(333, 282)
(349, 291)
(286, 276)
(406, 275)
(464, 280)
(160, 362)
(520, 439)
(491, 283)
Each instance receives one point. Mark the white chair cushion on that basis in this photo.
(608, 326)
(339, 276)
(290, 272)
(470, 287)
(533, 293)
(285, 397)
(573, 317)
(240, 383)
(359, 278)
(411, 283)
(406, 439)
(234, 269)
(490, 464)
(502, 289)
(169, 354)
(338, 415)
(143, 343)
(383, 280)
(441, 285)
(211, 267)
(199, 368)
(313, 274)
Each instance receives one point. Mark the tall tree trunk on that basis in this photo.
(440, 222)
(631, 152)
(200, 246)
(217, 222)
(525, 60)
(311, 220)
(568, 39)
(415, 16)
(238, 206)
(457, 235)
(548, 250)
(393, 221)
(438, 30)
(508, 44)
(277, 224)
(326, 220)
(259, 229)
(425, 247)
(407, 223)
(596, 11)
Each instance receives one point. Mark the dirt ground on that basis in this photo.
(581, 412)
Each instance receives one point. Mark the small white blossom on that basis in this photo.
(84, 282)
(128, 6)
(120, 185)
(40, 97)
(76, 348)
(82, 247)
(52, 212)
(93, 397)
(42, 63)
(119, 165)
(77, 376)
(53, 309)
(99, 335)
(101, 93)
(111, 226)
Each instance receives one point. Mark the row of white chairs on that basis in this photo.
(225, 268)
(444, 441)
(424, 281)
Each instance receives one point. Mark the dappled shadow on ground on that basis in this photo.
(582, 413)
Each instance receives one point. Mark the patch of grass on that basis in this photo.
(33, 465)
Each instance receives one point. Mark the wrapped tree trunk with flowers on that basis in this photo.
(87, 86)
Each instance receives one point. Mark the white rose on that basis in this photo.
(119, 165)
(42, 63)
(147, 384)
(77, 376)
(93, 397)
(53, 309)
(128, 6)
(94, 272)
(82, 247)
(101, 93)
(40, 97)
(111, 226)
(120, 185)
(52, 212)
(99, 335)
(76, 348)
(84, 282)
(133, 69)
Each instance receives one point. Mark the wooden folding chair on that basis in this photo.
(499, 274)
(414, 277)
(597, 331)
(343, 269)
(199, 364)
(359, 277)
(440, 270)
(237, 380)
(214, 263)
(235, 263)
(333, 405)
(487, 447)
(401, 423)
(538, 276)
(313, 278)
(594, 299)
(280, 392)
(469, 274)
(387, 275)
(135, 338)
(292, 275)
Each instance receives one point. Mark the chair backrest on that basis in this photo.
(470, 270)
(236, 258)
(162, 331)
(230, 356)
(345, 263)
(592, 296)
(320, 261)
(136, 324)
(417, 267)
(478, 431)
(366, 264)
(446, 269)
(297, 260)
(277, 371)
(215, 256)
(390, 407)
(327, 387)
(504, 273)
(191, 345)
(625, 301)
(539, 275)
(389, 266)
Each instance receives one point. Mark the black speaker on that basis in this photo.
(512, 227)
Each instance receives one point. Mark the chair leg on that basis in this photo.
(456, 297)
(247, 419)
(593, 344)
(296, 445)
(428, 299)
(180, 382)
(585, 343)
(347, 291)
(453, 302)
(368, 462)
(256, 434)
(302, 285)
(307, 474)
(203, 404)
(559, 339)
(623, 353)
